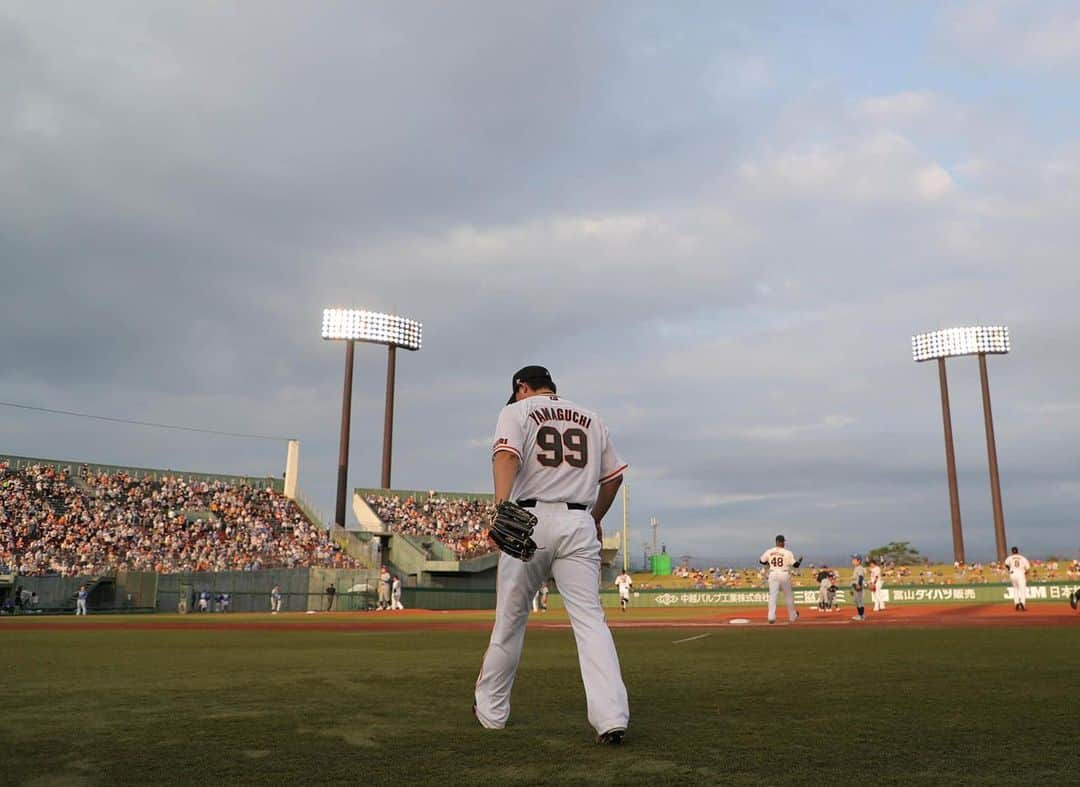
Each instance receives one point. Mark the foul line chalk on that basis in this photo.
(689, 639)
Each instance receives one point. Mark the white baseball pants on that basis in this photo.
(80, 606)
(878, 597)
(780, 580)
(1019, 585)
(569, 551)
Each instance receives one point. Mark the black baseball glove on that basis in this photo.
(512, 529)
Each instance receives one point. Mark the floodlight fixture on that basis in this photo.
(376, 327)
(952, 342)
(362, 325)
(978, 340)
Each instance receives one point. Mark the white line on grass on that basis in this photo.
(689, 639)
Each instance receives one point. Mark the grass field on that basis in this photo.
(743, 705)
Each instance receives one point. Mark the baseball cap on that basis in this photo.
(856, 556)
(532, 375)
(780, 539)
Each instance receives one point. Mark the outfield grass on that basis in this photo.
(742, 706)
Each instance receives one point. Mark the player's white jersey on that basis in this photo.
(875, 575)
(623, 583)
(778, 559)
(1017, 564)
(564, 449)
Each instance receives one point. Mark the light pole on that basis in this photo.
(625, 528)
(952, 342)
(359, 325)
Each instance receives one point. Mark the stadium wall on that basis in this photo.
(454, 597)
(902, 595)
(304, 589)
(143, 591)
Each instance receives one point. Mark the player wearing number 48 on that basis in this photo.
(779, 562)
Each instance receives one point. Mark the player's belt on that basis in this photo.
(531, 503)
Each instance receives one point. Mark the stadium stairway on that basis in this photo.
(356, 545)
(58, 504)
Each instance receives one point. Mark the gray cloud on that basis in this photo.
(729, 270)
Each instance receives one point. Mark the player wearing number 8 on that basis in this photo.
(779, 562)
(555, 459)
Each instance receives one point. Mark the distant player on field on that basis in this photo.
(779, 562)
(395, 594)
(275, 599)
(1018, 567)
(385, 583)
(824, 578)
(623, 582)
(858, 583)
(877, 586)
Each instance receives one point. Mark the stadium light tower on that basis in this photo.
(949, 343)
(359, 325)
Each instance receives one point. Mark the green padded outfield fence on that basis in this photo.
(901, 594)
(439, 598)
(303, 589)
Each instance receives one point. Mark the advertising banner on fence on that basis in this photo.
(915, 594)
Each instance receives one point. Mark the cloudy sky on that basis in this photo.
(718, 226)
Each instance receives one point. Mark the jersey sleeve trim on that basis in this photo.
(507, 448)
(611, 476)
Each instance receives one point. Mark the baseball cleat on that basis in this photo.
(771, 622)
(612, 737)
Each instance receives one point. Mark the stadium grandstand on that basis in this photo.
(80, 519)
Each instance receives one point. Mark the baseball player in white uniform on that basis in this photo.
(1018, 567)
(623, 582)
(554, 457)
(395, 594)
(858, 583)
(877, 586)
(779, 562)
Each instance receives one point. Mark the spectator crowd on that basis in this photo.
(974, 573)
(98, 523)
(459, 523)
